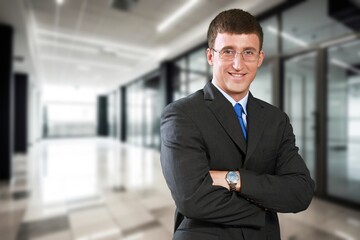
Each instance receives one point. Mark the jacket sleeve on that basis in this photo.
(291, 188)
(185, 165)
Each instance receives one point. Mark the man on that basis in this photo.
(229, 175)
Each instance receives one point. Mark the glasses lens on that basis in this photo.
(247, 56)
(227, 54)
(250, 56)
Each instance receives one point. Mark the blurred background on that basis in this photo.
(83, 84)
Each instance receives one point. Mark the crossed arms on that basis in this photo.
(199, 190)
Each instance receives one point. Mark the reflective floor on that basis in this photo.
(100, 189)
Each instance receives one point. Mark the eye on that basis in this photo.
(249, 52)
(228, 52)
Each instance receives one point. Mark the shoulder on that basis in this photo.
(181, 114)
(192, 101)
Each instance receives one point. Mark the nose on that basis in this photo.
(238, 61)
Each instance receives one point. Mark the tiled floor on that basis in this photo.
(100, 189)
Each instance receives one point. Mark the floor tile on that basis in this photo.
(62, 235)
(9, 234)
(156, 201)
(11, 205)
(43, 227)
(154, 233)
(10, 220)
(45, 211)
(136, 219)
(166, 218)
(89, 217)
(97, 230)
(124, 207)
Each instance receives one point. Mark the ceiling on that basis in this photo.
(88, 43)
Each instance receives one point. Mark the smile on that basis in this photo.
(237, 75)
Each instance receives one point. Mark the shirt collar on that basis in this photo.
(243, 101)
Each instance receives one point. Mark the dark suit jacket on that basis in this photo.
(201, 132)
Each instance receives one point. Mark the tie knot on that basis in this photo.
(238, 109)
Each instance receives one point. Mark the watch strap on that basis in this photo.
(232, 186)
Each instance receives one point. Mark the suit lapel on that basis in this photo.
(255, 124)
(225, 114)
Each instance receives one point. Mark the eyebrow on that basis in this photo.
(245, 48)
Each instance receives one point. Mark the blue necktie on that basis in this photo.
(238, 109)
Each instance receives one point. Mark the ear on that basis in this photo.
(209, 56)
(261, 58)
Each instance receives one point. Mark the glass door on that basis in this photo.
(299, 103)
(343, 121)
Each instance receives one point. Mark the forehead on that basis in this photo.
(237, 41)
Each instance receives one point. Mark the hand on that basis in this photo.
(218, 178)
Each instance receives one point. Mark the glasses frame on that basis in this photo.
(236, 53)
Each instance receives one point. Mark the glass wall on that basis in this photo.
(180, 79)
(135, 110)
(343, 132)
(262, 86)
(143, 113)
(270, 44)
(198, 66)
(299, 103)
(111, 105)
(309, 23)
(191, 72)
(152, 113)
(317, 25)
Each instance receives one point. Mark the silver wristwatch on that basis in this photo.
(232, 178)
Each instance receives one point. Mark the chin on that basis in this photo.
(237, 86)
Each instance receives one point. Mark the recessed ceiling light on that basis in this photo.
(176, 15)
(59, 2)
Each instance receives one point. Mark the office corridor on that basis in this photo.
(97, 188)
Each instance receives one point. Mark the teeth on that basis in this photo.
(236, 75)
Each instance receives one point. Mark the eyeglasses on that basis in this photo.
(230, 55)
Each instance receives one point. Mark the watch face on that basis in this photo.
(232, 177)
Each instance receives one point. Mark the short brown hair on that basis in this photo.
(234, 21)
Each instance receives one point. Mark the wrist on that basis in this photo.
(233, 180)
(219, 178)
(238, 184)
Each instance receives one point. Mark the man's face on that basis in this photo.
(235, 76)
